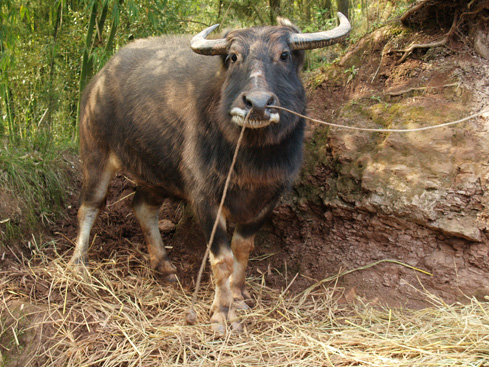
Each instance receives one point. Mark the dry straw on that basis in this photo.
(122, 316)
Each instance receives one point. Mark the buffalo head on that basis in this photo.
(262, 67)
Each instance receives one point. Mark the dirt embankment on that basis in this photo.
(419, 197)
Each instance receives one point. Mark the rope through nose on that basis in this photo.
(383, 130)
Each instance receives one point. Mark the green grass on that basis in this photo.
(33, 186)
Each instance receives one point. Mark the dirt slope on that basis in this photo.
(420, 198)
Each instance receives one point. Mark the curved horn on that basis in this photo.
(201, 45)
(308, 41)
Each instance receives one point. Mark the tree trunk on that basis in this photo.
(51, 92)
(219, 7)
(343, 6)
(275, 11)
(327, 8)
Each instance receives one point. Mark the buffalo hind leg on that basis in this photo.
(146, 207)
(97, 174)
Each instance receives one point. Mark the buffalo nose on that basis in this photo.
(260, 102)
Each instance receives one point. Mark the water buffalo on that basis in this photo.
(169, 112)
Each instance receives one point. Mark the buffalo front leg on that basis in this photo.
(146, 206)
(241, 246)
(222, 309)
(222, 261)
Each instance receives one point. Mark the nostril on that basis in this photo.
(259, 101)
(247, 102)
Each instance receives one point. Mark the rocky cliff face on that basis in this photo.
(436, 178)
(417, 197)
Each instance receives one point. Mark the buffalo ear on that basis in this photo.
(284, 22)
(224, 35)
(225, 32)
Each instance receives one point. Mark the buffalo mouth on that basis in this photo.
(253, 122)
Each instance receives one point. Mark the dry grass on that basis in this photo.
(122, 316)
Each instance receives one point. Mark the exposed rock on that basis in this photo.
(166, 226)
(481, 41)
(419, 197)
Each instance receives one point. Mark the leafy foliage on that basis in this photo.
(39, 179)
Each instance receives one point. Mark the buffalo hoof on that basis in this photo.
(222, 318)
(78, 265)
(242, 299)
(241, 304)
(166, 270)
(171, 278)
(191, 317)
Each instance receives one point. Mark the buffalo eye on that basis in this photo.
(232, 57)
(284, 56)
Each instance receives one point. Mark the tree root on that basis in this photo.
(457, 20)
(414, 46)
(412, 10)
(414, 89)
(477, 10)
(380, 63)
(439, 43)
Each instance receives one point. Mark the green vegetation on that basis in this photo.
(40, 180)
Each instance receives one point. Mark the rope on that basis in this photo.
(191, 317)
(383, 130)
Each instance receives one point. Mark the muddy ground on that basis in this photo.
(302, 242)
